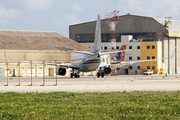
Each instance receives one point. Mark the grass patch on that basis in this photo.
(111, 105)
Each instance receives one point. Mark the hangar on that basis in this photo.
(142, 29)
(35, 46)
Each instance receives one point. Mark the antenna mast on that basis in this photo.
(112, 19)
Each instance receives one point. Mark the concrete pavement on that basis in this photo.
(93, 84)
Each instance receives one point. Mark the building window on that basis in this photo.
(153, 67)
(117, 47)
(112, 48)
(89, 38)
(138, 67)
(153, 57)
(153, 47)
(102, 60)
(148, 47)
(138, 58)
(105, 48)
(148, 67)
(130, 58)
(148, 57)
(130, 47)
(138, 47)
(130, 67)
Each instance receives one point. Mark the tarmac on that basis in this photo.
(127, 83)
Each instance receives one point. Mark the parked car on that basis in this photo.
(148, 72)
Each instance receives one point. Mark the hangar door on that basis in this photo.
(51, 71)
(1, 71)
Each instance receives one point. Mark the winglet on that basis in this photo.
(173, 53)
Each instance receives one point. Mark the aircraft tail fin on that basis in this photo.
(97, 39)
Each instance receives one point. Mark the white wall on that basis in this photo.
(165, 54)
(134, 53)
(178, 55)
(172, 60)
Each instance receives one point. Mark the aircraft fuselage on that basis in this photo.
(86, 63)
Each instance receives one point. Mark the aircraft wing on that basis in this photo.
(88, 53)
(104, 65)
(63, 65)
(105, 53)
(93, 54)
(116, 64)
(69, 66)
(122, 63)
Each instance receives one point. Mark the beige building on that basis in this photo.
(36, 47)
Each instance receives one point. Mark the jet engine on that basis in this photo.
(107, 70)
(61, 71)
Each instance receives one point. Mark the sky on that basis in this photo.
(58, 15)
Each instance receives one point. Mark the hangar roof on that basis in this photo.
(175, 24)
(33, 40)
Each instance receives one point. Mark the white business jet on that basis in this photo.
(91, 61)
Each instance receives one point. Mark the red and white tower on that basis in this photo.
(112, 19)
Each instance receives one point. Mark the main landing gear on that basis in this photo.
(75, 75)
(100, 73)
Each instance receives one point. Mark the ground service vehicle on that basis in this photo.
(148, 72)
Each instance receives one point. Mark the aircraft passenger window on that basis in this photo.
(148, 57)
(105, 48)
(117, 47)
(148, 47)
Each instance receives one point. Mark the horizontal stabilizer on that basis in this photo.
(105, 53)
